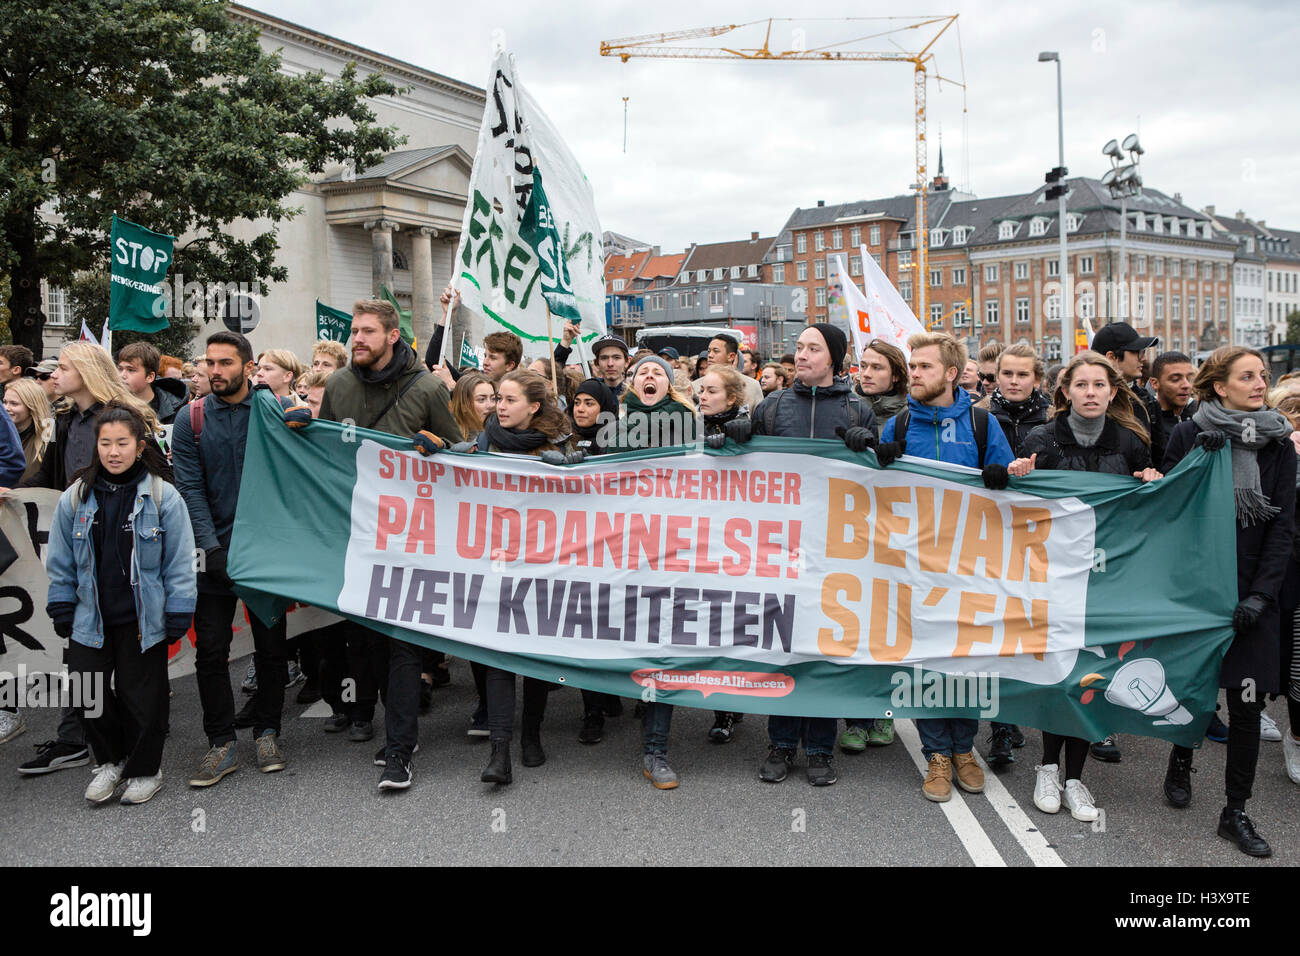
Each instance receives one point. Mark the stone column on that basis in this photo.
(381, 253)
(425, 311)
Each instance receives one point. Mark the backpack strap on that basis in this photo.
(980, 426)
(901, 421)
(769, 417)
(420, 373)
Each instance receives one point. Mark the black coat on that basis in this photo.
(1117, 451)
(1263, 553)
(1017, 419)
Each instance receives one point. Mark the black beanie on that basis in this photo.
(836, 343)
(601, 393)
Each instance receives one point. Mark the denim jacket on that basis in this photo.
(162, 561)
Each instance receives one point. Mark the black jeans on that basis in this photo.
(131, 689)
(387, 666)
(1243, 748)
(325, 657)
(213, 615)
(501, 702)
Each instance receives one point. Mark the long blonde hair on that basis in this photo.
(1120, 407)
(38, 406)
(101, 379)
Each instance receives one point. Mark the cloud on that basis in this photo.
(719, 148)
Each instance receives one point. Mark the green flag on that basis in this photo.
(139, 260)
(332, 324)
(403, 316)
(467, 354)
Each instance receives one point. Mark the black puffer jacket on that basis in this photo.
(1118, 451)
(804, 412)
(1017, 419)
(170, 395)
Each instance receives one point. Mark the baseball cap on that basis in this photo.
(670, 353)
(1120, 337)
(607, 340)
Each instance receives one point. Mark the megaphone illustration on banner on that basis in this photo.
(1140, 685)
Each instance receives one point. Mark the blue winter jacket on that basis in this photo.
(13, 462)
(948, 434)
(162, 561)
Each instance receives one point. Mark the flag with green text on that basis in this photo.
(785, 576)
(531, 239)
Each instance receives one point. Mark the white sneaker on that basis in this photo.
(105, 783)
(11, 725)
(1079, 800)
(142, 789)
(1268, 729)
(1291, 754)
(1047, 789)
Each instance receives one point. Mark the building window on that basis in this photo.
(1072, 222)
(702, 275)
(56, 306)
(905, 290)
(1140, 265)
(936, 237)
(1087, 305)
(821, 295)
(1053, 267)
(801, 271)
(819, 241)
(837, 238)
(1175, 267)
(399, 262)
(1160, 307)
(819, 269)
(1191, 309)
(991, 272)
(936, 278)
(1208, 305)
(960, 235)
(1175, 308)
(879, 261)
(656, 303)
(716, 296)
(855, 236)
(936, 314)
(801, 243)
(618, 285)
(959, 276)
(686, 299)
(717, 274)
(1191, 268)
(1052, 307)
(1140, 306)
(751, 271)
(1022, 270)
(1158, 265)
(855, 265)
(1022, 311)
(905, 258)
(1038, 227)
(1221, 273)
(991, 312)
(959, 316)
(778, 274)
(1052, 347)
(1085, 265)
(875, 235)
(1006, 230)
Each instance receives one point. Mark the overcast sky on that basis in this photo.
(718, 148)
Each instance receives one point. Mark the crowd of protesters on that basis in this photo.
(139, 541)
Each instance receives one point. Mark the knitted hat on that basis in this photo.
(598, 390)
(662, 363)
(836, 343)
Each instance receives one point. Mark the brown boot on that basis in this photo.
(938, 780)
(969, 775)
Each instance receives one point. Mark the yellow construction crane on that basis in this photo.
(660, 45)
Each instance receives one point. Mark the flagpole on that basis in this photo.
(550, 334)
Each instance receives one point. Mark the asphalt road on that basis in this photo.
(591, 805)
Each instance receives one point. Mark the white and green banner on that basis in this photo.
(139, 259)
(531, 238)
(781, 577)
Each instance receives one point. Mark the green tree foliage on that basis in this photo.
(1293, 328)
(169, 113)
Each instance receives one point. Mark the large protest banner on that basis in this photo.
(784, 576)
(30, 645)
(530, 238)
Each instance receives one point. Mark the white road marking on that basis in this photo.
(1022, 828)
(973, 838)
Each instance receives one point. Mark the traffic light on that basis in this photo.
(1056, 183)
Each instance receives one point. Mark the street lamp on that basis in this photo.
(1056, 190)
(1123, 180)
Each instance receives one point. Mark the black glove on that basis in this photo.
(857, 438)
(739, 429)
(465, 447)
(996, 477)
(1248, 610)
(888, 452)
(1211, 440)
(297, 417)
(215, 566)
(575, 457)
(426, 443)
(552, 457)
(62, 614)
(175, 626)
(717, 440)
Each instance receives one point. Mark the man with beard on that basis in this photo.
(208, 442)
(386, 388)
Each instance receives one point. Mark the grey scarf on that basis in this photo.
(1086, 430)
(1248, 432)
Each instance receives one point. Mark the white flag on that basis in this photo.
(881, 313)
(530, 238)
